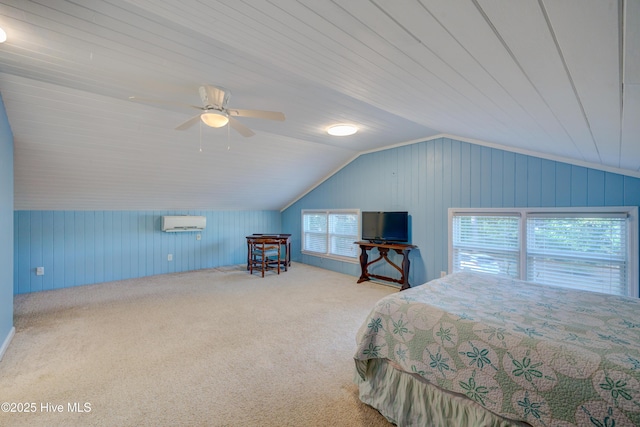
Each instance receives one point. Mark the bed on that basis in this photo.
(474, 349)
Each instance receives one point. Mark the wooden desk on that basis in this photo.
(284, 239)
(383, 249)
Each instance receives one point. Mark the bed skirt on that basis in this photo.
(406, 399)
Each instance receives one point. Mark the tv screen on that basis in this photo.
(385, 226)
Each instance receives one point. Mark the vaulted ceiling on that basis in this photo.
(557, 78)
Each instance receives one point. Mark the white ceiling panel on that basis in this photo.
(631, 43)
(530, 40)
(559, 79)
(630, 146)
(593, 58)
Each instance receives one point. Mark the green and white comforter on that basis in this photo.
(545, 355)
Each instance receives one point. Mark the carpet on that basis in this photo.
(214, 347)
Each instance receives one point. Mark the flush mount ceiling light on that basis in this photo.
(214, 119)
(3, 36)
(342, 130)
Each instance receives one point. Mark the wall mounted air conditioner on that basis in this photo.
(183, 223)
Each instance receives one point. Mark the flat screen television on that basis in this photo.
(385, 227)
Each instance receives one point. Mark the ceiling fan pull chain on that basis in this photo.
(200, 127)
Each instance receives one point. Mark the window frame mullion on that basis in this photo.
(523, 246)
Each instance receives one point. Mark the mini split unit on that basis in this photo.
(183, 223)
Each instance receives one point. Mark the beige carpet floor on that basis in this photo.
(205, 348)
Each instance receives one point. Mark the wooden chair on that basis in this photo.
(265, 255)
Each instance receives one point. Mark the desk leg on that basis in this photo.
(405, 271)
(364, 275)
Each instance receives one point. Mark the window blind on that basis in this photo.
(315, 232)
(331, 233)
(485, 243)
(343, 232)
(593, 248)
(586, 252)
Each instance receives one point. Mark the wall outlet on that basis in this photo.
(198, 236)
(39, 271)
(170, 257)
(443, 273)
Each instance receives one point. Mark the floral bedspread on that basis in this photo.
(545, 355)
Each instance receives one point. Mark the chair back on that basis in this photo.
(266, 243)
(265, 254)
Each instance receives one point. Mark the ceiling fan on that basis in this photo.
(215, 112)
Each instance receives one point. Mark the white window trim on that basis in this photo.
(354, 260)
(630, 211)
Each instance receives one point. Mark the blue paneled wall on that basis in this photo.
(6, 236)
(85, 247)
(429, 177)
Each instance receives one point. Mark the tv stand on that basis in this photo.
(383, 250)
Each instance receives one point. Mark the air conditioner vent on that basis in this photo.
(183, 223)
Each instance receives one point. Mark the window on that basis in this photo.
(487, 243)
(593, 249)
(331, 233)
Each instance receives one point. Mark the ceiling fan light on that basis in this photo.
(342, 130)
(214, 119)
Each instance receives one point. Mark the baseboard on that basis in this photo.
(7, 341)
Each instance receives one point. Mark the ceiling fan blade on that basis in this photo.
(242, 129)
(161, 102)
(214, 96)
(186, 125)
(258, 114)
